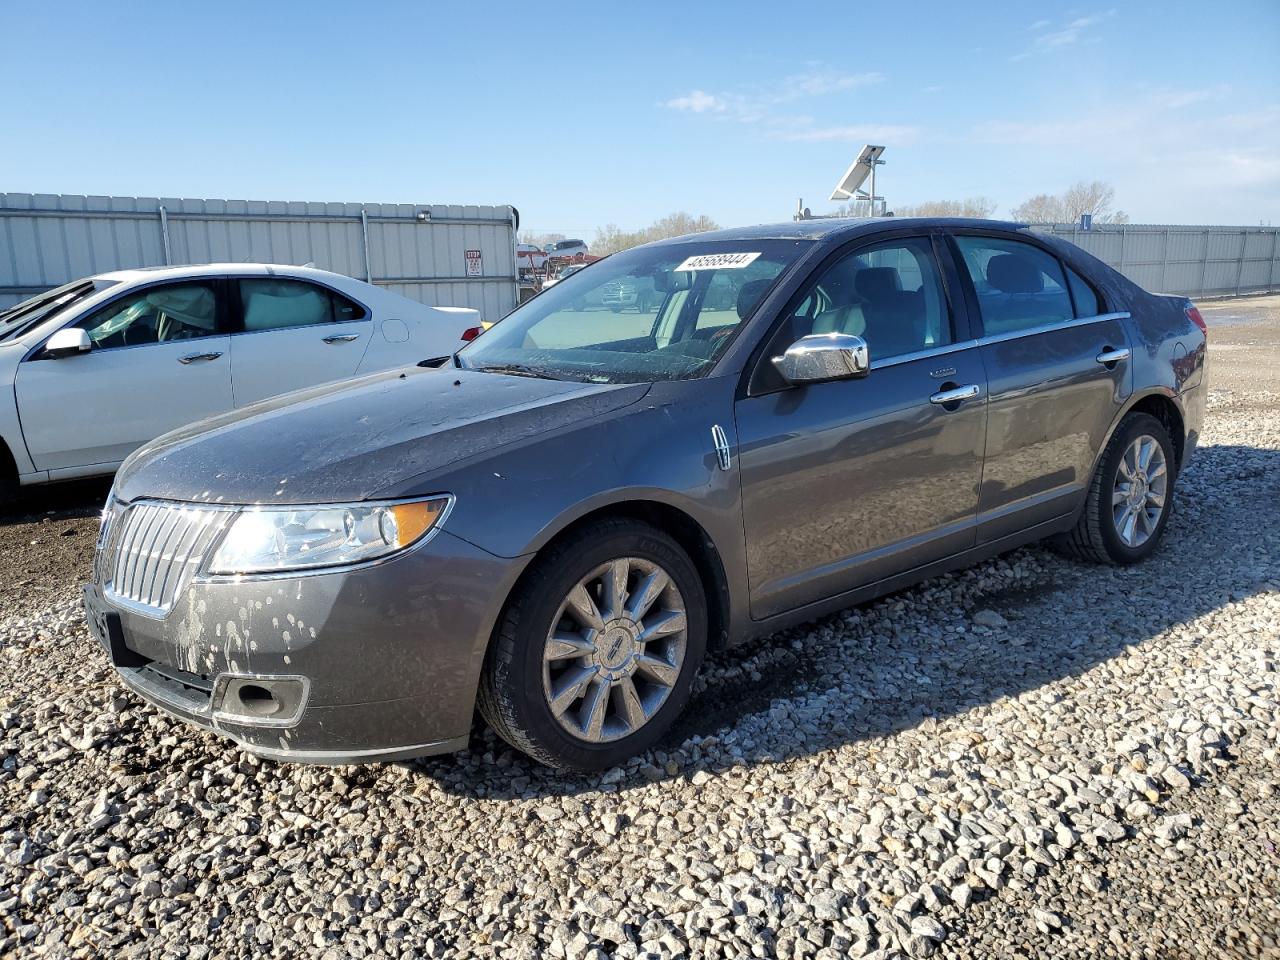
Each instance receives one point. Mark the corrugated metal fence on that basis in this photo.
(1193, 261)
(49, 239)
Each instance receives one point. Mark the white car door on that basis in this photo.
(158, 361)
(295, 334)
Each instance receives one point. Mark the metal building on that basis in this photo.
(439, 254)
(1189, 260)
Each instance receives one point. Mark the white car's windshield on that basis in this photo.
(21, 317)
(654, 313)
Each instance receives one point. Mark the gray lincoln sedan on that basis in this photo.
(557, 523)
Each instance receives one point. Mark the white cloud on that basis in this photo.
(697, 101)
(1078, 30)
(1249, 168)
(759, 104)
(898, 135)
(817, 84)
(1152, 146)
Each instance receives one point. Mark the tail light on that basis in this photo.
(471, 333)
(1193, 314)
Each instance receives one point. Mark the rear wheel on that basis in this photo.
(1129, 499)
(596, 652)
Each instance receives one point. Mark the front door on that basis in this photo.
(295, 334)
(158, 362)
(849, 482)
(1058, 373)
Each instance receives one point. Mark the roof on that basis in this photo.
(843, 226)
(209, 270)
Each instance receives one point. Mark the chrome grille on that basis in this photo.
(151, 549)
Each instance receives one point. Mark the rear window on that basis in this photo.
(275, 303)
(1019, 286)
(1083, 295)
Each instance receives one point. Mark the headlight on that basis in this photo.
(266, 539)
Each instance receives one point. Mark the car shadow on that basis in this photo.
(65, 500)
(776, 699)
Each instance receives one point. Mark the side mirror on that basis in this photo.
(67, 342)
(820, 357)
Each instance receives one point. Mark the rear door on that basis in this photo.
(1058, 372)
(293, 333)
(159, 360)
(849, 482)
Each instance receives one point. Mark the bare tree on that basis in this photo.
(1096, 198)
(540, 239)
(978, 207)
(611, 239)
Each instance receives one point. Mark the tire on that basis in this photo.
(517, 685)
(617, 309)
(1103, 533)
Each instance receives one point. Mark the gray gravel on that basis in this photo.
(1032, 757)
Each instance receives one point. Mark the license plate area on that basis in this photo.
(108, 630)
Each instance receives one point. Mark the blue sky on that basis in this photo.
(601, 112)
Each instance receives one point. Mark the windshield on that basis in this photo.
(21, 317)
(653, 313)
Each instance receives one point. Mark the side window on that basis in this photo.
(272, 303)
(1019, 286)
(1085, 297)
(889, 294)
(344, 309)
(177, 311)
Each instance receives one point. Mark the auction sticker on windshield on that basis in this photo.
(718, 261)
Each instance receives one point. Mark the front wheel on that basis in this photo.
(596, 652)
(1128, 502)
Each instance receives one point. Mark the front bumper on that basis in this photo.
(367, 664)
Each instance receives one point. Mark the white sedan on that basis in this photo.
(99, 366)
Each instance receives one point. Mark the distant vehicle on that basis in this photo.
(94, 369)
(637, 292)
(567, 248)
(529, 258)
(563, 272)
(558, 523)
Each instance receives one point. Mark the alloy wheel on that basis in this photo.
(615, 650)
(1140, 490)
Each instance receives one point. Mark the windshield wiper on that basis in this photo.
(514, 369)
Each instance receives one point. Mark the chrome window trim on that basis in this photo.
(1050, 327)
(993, 338)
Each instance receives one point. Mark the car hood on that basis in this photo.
(348, 441)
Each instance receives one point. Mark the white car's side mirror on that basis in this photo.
(67, 342)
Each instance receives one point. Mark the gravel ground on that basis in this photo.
(1029, 758)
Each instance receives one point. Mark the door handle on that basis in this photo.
(342, 338)
(1108, 357)
(193, 357)
(956, 394)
